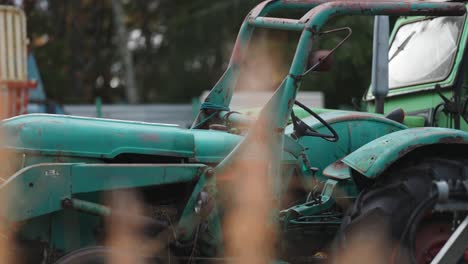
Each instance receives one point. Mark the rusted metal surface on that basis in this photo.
(326, 11)
(346, 116)
(430, 238)
(275, 23)
(452, 140)
(13, 62)
(256, 11)
(360, 7)
(273, 5)
(303, 2)
(19, 84)
(375, 157)
(337, 170)
(13, 44)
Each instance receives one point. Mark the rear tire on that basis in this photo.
(386, 207)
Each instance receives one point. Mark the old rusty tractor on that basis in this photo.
(324, 176)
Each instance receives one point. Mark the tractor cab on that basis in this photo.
(426, 72)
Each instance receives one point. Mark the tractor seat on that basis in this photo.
(397, 115)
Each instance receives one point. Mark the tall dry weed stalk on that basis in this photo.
(249, 225)
(7, 250)
(370, 244)
(265, 65)
(124, 233)
(7, 234)
(250, 233)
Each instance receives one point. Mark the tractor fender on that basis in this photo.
(376, 156)
(354, 129)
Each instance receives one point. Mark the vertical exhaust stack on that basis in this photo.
(380, 62)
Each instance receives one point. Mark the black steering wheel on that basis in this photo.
(302, 129)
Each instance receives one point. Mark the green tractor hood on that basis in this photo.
(106, 139)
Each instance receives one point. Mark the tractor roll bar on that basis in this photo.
(276, 23)
(320, 11)
(357, 8)
(221, 94)
(269, 6)
(332, 9)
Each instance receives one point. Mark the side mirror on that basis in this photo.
(320, 61)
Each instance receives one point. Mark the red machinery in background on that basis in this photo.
(14, 83)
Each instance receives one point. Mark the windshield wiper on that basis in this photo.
(402, 46)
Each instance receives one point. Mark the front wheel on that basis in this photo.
(88, 255)
(105, 255)
(384, 210)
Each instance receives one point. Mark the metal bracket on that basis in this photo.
(443, 191)
(452, 206)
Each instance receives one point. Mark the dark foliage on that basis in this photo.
(180, 48)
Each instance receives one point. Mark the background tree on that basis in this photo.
(179, 48)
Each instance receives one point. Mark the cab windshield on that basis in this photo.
(424, 51)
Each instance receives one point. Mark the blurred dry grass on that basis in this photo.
(265, 64)
(125, 231)
(250, 233)
(6, 249)
(366, 246)
(7, 243)
(249, 228)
